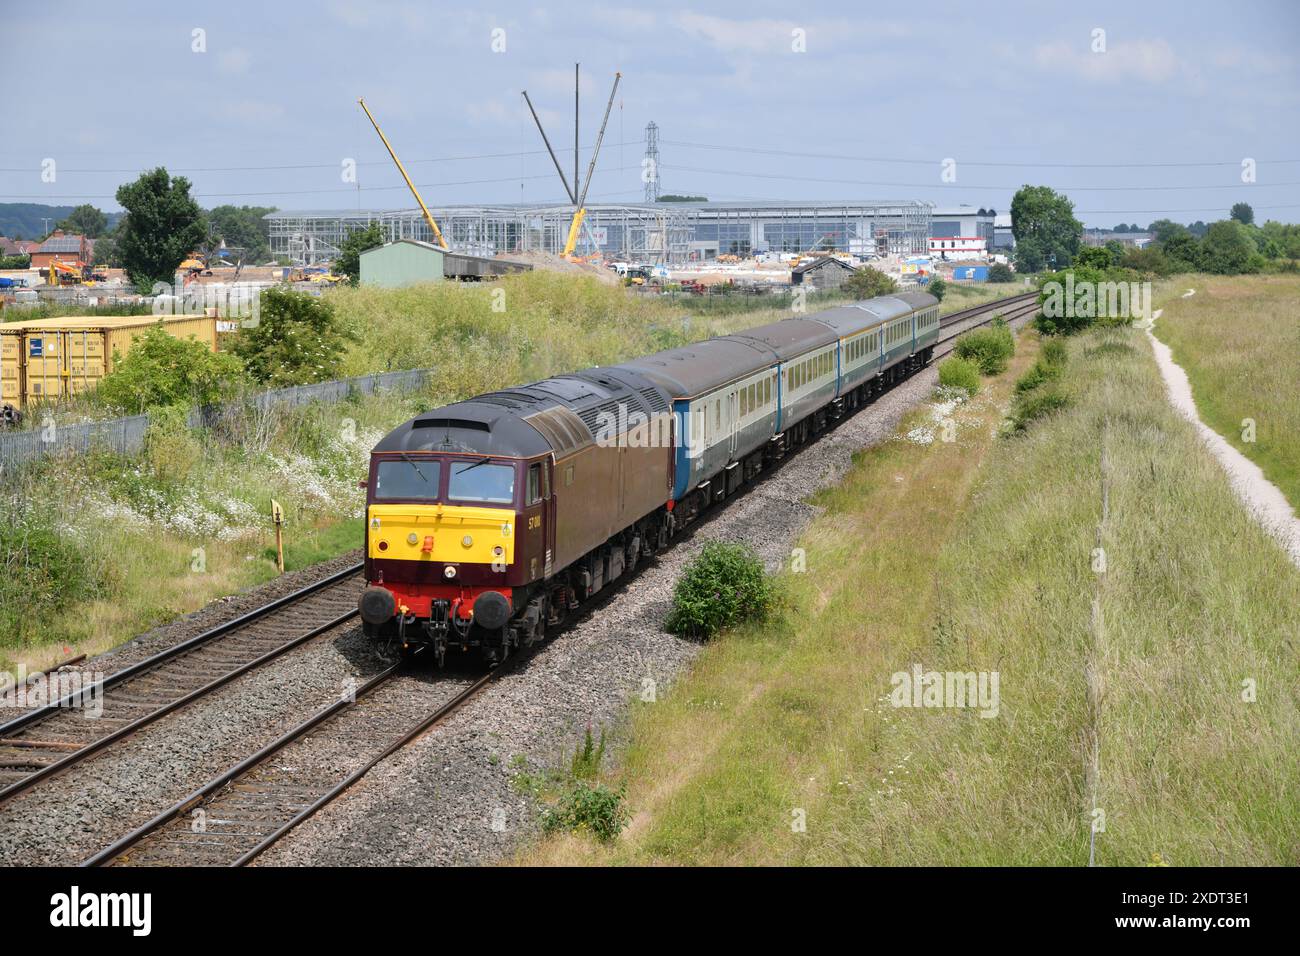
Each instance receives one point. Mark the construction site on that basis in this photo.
(652, 245)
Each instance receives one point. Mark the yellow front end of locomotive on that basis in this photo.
(448, 534)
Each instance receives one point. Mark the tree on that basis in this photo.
(1030, 256)
(937, 287)
(1166, 229)
(1151, 260)
(1226, 248)
(85, 220)
(163, 224)
(298, 339)
(162, 370)
(358, 241)
(1094, 257)
(1000, 273)
(106, 251)
(242, 227)
(1042, 214)
(1242, 213)
(1183, 250)
(868, 283)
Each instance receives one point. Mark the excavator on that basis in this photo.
(65, 273)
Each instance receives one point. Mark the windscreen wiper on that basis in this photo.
(481, 461)
(411, 461)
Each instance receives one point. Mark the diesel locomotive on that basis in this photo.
(489, 520)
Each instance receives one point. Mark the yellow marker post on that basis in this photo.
(277, 518)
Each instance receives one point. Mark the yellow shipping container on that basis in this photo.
(44, 358)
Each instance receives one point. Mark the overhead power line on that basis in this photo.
(288, 166)
(911, 161)
(961, 186)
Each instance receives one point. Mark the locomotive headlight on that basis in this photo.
(498, 551)
(449, 571)
(467, 541)
(412, 538)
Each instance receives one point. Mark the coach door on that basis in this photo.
(733, 423)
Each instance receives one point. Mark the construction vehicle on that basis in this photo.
(428, 216)
(65, 273)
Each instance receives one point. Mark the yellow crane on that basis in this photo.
(428, 216)
(579, 198)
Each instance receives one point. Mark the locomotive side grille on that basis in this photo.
(561, 428)
(654, 400)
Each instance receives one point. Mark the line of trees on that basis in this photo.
(163, 224)
(1048, 236)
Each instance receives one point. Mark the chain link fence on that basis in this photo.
(125, 436)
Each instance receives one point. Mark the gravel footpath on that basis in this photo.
(448, 798)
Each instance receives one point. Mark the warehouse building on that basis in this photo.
(410, 261)
(963, 222)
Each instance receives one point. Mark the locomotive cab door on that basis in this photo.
(536, 551)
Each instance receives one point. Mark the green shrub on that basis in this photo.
(1031, 406)
(161, 370)
(587, 757)
(1000, 272)
(990, 348)
(937, 287)
(723, 586)
(867, 283)
(170, 446)
(588, 808)
(1054, 352)
(40, 573)
(960, 373)
(298, 339)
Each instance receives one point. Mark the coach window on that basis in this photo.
(568, 476)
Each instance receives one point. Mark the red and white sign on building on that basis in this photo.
(959, 247)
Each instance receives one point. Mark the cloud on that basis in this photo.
(255, 112)
(234, 60)
(1151, 61)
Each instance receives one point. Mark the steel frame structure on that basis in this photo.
(666, 233)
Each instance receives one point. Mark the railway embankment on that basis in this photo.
(1067, 642)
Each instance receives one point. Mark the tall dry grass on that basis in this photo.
(1169, 718)
(1238, 338)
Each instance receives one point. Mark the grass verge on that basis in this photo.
(1166, 716)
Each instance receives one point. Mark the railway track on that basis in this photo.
(1011, 309)
(241, 812)
(46, 741)
(246, 809)
(1015, 302)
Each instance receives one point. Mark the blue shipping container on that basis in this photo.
(971, 273)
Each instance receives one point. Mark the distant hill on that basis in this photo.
(25, 218)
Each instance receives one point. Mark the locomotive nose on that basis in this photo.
(377, 605)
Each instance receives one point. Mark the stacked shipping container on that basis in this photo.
(49, 358)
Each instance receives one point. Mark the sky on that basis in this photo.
(1137, 111)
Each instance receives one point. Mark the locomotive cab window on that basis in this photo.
(397, 478)
(482, 481)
